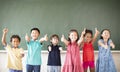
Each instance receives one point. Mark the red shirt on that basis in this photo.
(88, 52)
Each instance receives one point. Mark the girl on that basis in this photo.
(54, 59)
(88, 50)
(73, 60)
(105, 61)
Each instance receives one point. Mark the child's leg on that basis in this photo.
(92, 66)
(92, 69)
(29, 68)
(50, 69)
(12, 70)
(37, 68)
(57, 68)
(85, 66)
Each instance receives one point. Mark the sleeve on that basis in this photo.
(7, 47)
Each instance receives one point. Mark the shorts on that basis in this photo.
(89, 64)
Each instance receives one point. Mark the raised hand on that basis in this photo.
(5, 30)
(96, 31)
(62, 38)
(27, 37)
(46, 37)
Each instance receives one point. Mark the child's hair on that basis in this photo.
(15, 36)
(73, 30)
(35, 29)
(103, 31)
(88, 31)
(54, 35)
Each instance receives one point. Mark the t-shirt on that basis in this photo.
(88, 52)
(14, 57)
(54, 58)
(34, 52)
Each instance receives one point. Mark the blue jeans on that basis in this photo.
(54, 69)
(12, 70)
(31, 68)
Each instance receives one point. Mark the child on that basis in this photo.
(54, 59)
(73, 60)
(105, 61)
(88, 49)
(34, 50)
(14, 53)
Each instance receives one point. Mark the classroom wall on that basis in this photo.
(59, 16)
(116, 57)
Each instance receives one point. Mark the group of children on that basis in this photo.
(73, 63)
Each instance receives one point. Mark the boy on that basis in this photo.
(14, 53)
(34, 50)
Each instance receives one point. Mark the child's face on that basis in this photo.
(35, 34)
(106, 34)
(15, 42)
(73, 36)
(88, 37)
(54, 40)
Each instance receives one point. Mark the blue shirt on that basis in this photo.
(34, 52)
(54, 56)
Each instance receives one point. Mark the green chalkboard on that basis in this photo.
(58, 17)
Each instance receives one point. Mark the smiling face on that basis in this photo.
(34, 34)
(105, 34)
(15, 42)
(54, 40)
(88, 37)
(73, 36)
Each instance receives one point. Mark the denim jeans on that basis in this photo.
(53, 68)
(31, 68)
(12, 70)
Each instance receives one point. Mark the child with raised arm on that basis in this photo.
(105, 62)
(14, 52)
(54, 59)
(72, 60)
(88, 49)
(34, 50)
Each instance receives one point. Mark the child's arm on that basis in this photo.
(45, 38)
(60, 48)
(102, 44)
(27, 38)
(64, 40)
(112, 44)
(80, 41)
(49, 48)
(5, 30)
(95, 36)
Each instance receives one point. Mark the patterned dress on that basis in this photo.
(73, 60)
(105, 62)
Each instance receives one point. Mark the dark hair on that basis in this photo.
(73, 30)
(15, 36)
(103, 31)
(35, 29)
(54, 35)
(88, 31)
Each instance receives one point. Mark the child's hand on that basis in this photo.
(27, 37)
(96, 31)
(62, 38)
(5, 30)
(112, 45)
(45, 37)
(83, 32)
(49, 48)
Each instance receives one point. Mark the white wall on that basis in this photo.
(116, 56)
